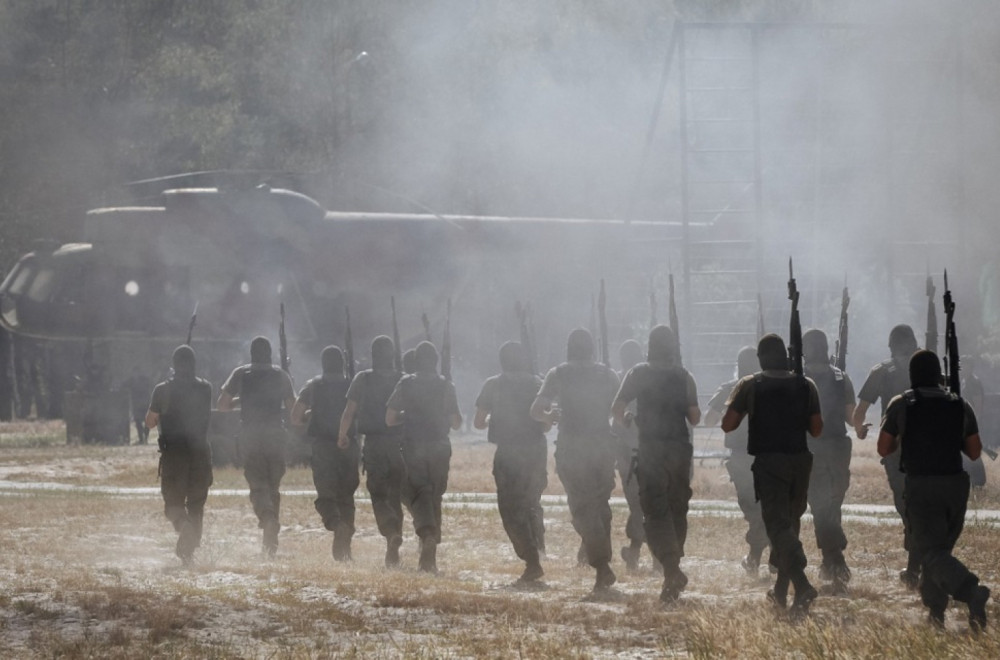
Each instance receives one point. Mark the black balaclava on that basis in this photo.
(662, 345)
(184, 361)
(815, 347)
(512, 358)
(629, 354)
(425, 357)
(260, 351)
(771, 352)
(579, 346)
(410, 361)
(925, 369)
(383, 353)
(746, 362)
(902, 342)
(333, 361)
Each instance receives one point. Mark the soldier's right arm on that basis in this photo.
(866, 397)
(626, 394)
(229, 395)
(483, 405)
(301, 406)
(394, 406)
(542, 409)
(155, 405)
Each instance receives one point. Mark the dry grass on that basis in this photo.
(94, 576)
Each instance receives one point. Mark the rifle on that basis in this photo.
(427, 326)
(760, 317)
(283, 341)
(951, 366)
(794, 325)
(194, 319)
(527, 340)
(397, 357)
(652, 309)
(674, 322)
(840, 359)
(349, 345)
(602, 300)
(931, 337)
(446, 345)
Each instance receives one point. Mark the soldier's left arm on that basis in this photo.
(456, 415)
(815, 414)
(973, 446)
(888, 437)
(693, 411)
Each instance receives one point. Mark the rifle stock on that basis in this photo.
(931, 336)
(674, 321)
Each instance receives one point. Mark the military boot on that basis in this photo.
(751, 563)
(186, 542)
(428, 555)
(270, 537)
(532, 571)
(342, 543)
(605, 578)
(778, 595)
(392, 545)
(630, 555)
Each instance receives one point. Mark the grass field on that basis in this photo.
(90, 573)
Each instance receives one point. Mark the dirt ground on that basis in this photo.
(87, 570)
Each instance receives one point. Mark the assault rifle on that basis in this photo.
(840, 357)
(674, 321)
(523, 313)
(760, 317)
(446, 344)
(427, 326)
(349, 345)
(951, 366)
(602, 320)
(283, 341)
(794, 325)
(397, 356)
(191, 323)
(652, 309)
(931, 337)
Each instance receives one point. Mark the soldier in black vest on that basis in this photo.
(931, 429)
(666, 402)
(382, 455)
(335, 470)
(519, 464)
(885, 380)
(426, 406)
(782, 407)
(626, 444)
(263, 392)
(181, 408)
(831, 471)
(739, 462)
(585, 457)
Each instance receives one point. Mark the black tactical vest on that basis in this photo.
(187, 409)
(896, 381)
(425, 415)
(377, 387)
(779, 418)
(832, 390)
(933, 436)
(661, 407)
(584, 399)
(261, 396)
(510, 418)
(328, 402)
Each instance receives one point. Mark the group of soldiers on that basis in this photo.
(793, 451)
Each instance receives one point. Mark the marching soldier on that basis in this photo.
(667, 401)
(334, 468)
(831, 471)
(519, 464)
(739, 462)
(262, 391)
(885, 380)
(782, 407)
(382, 454)
(181, 407)
(425, 404)
(585, 460)
(626, 444)
(930, 429)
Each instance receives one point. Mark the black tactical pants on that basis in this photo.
(263, 453)
(586, 468)
(383, 460)
(185, 477)
(427, 465)
(782, 485)
(935, 514)
(634, 530)
(828, 483)
(664, 475)
(520, 475)
(738, 467)
(335, 475)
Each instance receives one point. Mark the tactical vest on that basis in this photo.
(261, 396)
(425, 416)
(328, 402)
(779, 418)
(832, 390)
(377, 387)
(933, 436)
(186, 413)
(510, 418)
(661, 407)
(896, 381)
(584, 399)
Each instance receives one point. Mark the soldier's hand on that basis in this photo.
(343, 441)
(862, 430)
(629, 416)
(554, 415)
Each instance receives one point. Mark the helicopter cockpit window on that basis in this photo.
(20, 280)
(41, 286)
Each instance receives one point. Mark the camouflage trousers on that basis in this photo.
(335, 475)
(664, 475)
(427, 465)
(520, 475)
(263, 467)
(185, 477)
(383, 461)
(586, 468)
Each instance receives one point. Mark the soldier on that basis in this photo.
(931, 429)
(426, 406)
(519, 464)
(831, 471)
(382, 455)
(667, 400)
(585, 459)
(975, 395)
(739, 461)
(261, 389)
(410, 361)
(885, 380)
(335, 469)
(626, 444)
(137, 386)
(181, 407)
(782, 407)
